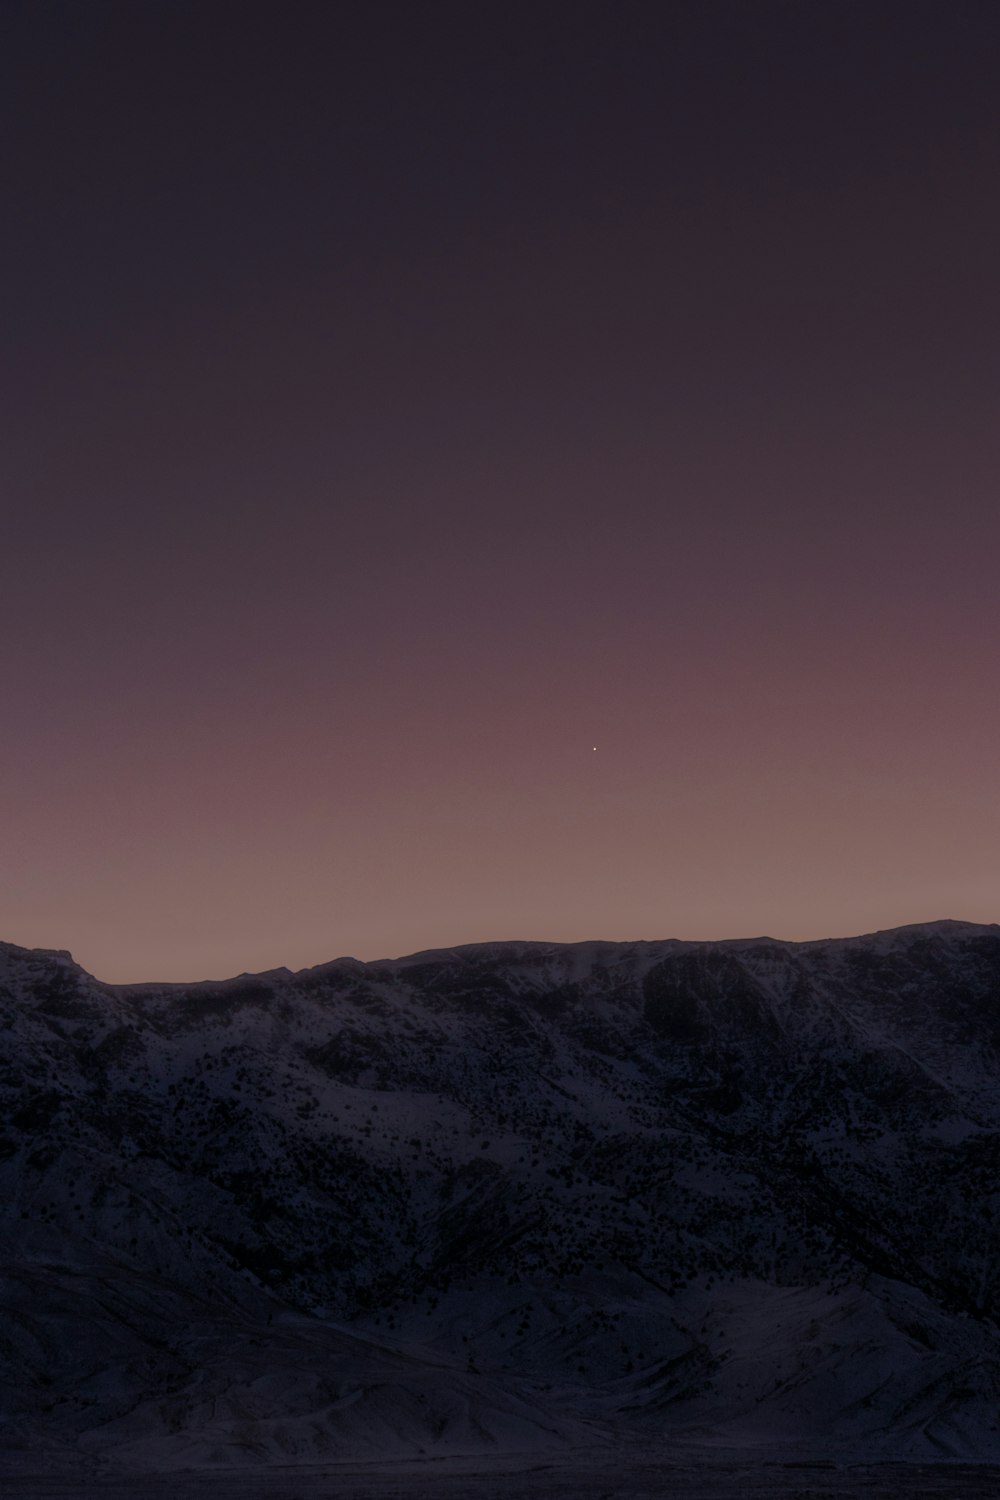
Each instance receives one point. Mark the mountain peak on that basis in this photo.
(685, 1191)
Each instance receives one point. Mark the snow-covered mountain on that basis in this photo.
(514, 1195)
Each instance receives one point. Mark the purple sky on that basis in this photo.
(401, 400)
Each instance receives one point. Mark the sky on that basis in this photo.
(495, 471)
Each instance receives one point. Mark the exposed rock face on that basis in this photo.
(511, 1194)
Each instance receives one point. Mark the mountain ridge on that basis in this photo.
(498, 945)
(506, 1197)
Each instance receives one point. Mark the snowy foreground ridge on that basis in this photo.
(518, 1198)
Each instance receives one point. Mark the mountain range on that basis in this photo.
(505, 1198)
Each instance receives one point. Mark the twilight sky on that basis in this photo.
(401, 399)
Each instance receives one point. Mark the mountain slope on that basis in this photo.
(513, 1194)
